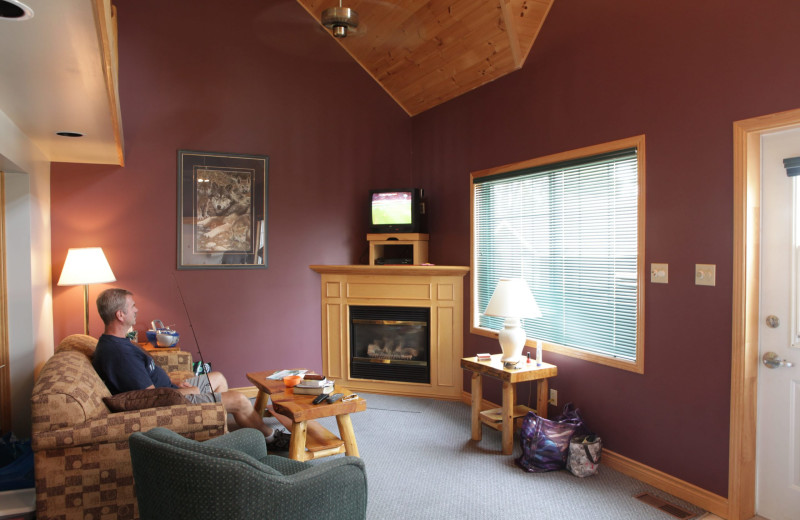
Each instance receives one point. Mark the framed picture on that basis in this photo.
(222, 210)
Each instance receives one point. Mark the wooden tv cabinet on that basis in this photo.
(382, 245)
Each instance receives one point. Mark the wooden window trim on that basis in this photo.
(638, 142)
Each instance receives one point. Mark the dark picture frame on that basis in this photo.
(222, 210)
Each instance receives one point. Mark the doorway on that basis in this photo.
(5, 369)
(745, 359)
(777, 449)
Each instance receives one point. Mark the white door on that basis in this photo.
(778, 428)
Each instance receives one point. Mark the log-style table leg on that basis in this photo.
(261, 402)
(508, 418)
(477, 397)
(542, 398)
(297, 444)
(347, 434)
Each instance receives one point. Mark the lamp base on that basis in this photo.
(512, 340)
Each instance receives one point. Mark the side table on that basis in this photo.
(503, 418)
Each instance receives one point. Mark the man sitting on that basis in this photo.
(124, 366)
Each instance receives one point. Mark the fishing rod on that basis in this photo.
(194, 334)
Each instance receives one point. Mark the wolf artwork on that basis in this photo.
(224, 211)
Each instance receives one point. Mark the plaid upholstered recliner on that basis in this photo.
(82, 462)
(233, 477)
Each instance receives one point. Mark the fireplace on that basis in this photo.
(436, 290)
(390, 343)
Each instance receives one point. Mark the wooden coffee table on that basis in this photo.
(310, 440)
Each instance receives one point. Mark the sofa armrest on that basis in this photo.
(198, 421)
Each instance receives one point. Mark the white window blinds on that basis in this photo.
(569, 230)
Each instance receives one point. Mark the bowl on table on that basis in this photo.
(290, 382)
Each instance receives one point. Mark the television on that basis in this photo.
(397, 211)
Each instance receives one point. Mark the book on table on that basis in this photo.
(314, 390)
(306, 382)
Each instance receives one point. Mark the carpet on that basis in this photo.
(422, 465)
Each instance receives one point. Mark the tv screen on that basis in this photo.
(392, 207)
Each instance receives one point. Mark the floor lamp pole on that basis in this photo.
(86, 309)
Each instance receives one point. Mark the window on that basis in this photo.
(571, 225)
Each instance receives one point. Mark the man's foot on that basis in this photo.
(280, 441)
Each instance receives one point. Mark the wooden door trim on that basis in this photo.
(745, 302)
(5, 371)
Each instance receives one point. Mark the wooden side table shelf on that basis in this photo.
(503, 418)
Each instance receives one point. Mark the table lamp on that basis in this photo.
(85, 265)
(512, 300)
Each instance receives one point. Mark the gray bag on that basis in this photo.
(584, 455)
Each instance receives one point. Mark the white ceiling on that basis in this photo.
(52, 80)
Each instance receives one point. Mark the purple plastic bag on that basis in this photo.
(545, 442)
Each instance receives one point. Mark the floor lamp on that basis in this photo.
(84, 266)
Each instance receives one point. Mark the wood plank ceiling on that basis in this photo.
(426, 52)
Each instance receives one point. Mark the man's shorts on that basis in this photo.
(205, 395)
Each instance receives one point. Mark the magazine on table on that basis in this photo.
(280, 374)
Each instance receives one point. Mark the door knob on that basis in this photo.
(771, 360)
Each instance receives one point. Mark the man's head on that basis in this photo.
(114, 301)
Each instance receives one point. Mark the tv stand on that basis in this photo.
(398, 248)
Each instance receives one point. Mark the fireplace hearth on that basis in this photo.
(390, 343)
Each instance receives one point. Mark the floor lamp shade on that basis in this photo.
(512, 300)
(84, 266)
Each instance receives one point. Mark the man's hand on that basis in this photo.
(185, 388)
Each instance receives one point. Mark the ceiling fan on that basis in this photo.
(339, 20)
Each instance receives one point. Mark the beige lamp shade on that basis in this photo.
(512, 299)
(86, 265)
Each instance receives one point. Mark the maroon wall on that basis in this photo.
(243, 76)
(260, 78)
(681, 73)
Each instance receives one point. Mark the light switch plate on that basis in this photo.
(659, 273)
(705, 274)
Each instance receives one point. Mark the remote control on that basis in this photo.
(320, 398)
(333, 398)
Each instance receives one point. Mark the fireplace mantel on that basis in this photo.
(438, 287)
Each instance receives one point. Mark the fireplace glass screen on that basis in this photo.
(390, 343)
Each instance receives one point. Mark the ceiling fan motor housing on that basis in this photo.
(339, 19)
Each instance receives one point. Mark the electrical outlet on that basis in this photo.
(553, 397)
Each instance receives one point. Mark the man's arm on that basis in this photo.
(183, 387)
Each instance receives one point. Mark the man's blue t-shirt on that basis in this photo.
(123, 366)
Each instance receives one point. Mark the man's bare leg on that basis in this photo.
(243, 412)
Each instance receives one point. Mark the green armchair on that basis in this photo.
(233, 477)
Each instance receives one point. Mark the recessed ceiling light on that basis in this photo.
(69, 134)
(14, 10)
